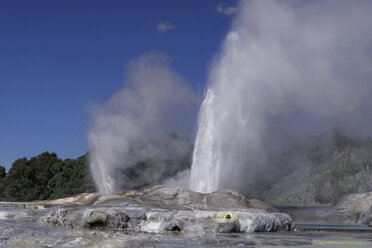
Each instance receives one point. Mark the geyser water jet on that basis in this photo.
(282, 61)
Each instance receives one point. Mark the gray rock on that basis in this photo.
(368, 220)
(356, 203)
(228, 227)
(164, 208)
(246, 221)
(162, 220)
(120, 220)
(359, 204)
(319, 215)
(96, 219)
(29, 231)
(174, 197)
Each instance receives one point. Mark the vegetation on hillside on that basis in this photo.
(330, 171)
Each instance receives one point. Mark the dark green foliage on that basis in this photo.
(2, 178)
(45, 177)
(72, 178)
(342, 141)
(2, 172)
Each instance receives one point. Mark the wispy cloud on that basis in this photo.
(165, 26)
(223, 8)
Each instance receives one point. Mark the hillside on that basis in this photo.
(332, 170)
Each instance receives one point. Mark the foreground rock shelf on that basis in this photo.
(162, 208)
(159, 216)
(158, 220)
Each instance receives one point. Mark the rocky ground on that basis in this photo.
(26, 230)
(359, 204)
(159, 216)
(170, 208)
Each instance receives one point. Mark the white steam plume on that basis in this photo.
(130, 141)
(305, 65)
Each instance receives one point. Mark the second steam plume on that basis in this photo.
(131, 138)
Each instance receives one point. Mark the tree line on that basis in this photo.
(45, 177)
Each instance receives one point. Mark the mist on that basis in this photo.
(288, 74)
(137, 137)
(287, 70)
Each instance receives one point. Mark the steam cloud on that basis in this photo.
(130, 138)
(302, 66)
(285, 67)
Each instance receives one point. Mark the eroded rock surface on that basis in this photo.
(169, 208)
(175, 197)
(95, 217)
(29, 232)
(81, 199)
(359, 204)
(161, 220)
(134, 219)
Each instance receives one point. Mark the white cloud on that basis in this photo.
(165, 26)
(226, 10)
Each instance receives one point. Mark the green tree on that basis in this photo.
(45, 177)
(2, 184)
(73, 178)
(2, 172)
(17, 180)
(43, 170)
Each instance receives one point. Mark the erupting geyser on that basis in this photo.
(297, 66)
(286, 63)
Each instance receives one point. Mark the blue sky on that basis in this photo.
(58, 58)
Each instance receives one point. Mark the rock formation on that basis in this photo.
(359, 204)
(163, 208)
